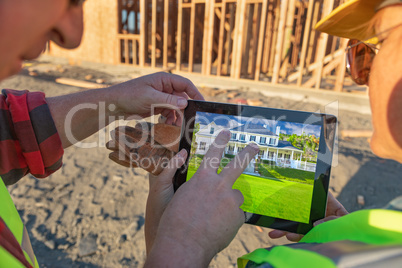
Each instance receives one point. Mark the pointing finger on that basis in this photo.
(212, 158)
(236, 167)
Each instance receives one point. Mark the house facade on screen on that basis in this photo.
(283, 153)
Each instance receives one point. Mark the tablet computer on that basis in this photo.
(285, 186)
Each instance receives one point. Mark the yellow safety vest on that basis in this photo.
(359, 234)
(11, 218)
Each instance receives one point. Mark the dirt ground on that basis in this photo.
(91, 212)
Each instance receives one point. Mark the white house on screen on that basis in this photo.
(283, 153)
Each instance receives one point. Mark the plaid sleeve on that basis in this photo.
(29, 142)
(10, 244)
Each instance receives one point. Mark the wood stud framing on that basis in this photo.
(268, 40)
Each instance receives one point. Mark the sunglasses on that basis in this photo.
(359, 57)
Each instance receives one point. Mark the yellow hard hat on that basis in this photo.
(344, 21)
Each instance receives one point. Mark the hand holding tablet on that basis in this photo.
(334, 210)
(285, 186)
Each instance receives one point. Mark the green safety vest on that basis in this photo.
(366, 231)
(12, 219)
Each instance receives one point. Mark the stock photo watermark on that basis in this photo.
(306, 142)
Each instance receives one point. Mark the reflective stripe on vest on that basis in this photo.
(12, 220)
(370, 231)
(285, 257)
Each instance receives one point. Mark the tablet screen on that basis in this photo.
(285, 185)
(283, 168)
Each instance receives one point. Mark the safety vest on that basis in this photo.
(363, 237)
(15, 246)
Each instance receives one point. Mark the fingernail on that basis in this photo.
(254, 146)
(226, 132)
(182, 153)
(181, 102)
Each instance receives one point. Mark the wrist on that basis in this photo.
(170, 252)
(120, 100)
(110, 99)
(152, 218)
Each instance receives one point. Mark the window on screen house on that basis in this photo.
(202, 145)
(234, 136)
(212, 130)
(242, 137)
(252, 138)
(263, 139)
(272, 141)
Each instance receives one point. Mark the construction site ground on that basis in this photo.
(90, 213)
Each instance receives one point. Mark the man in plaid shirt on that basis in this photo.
(33, 132)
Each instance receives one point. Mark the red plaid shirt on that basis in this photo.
(29, 142)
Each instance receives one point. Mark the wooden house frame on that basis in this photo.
(263, 40)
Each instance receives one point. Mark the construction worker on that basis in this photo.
(366, 238)
(34, 129)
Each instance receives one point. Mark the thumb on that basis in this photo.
(168, 172)
(170, 99)
(329, 218)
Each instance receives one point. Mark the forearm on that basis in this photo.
(79, 115)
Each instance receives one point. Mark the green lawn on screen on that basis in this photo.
(273, 197)
(289, 174)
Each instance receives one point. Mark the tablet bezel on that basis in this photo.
(328, 125)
